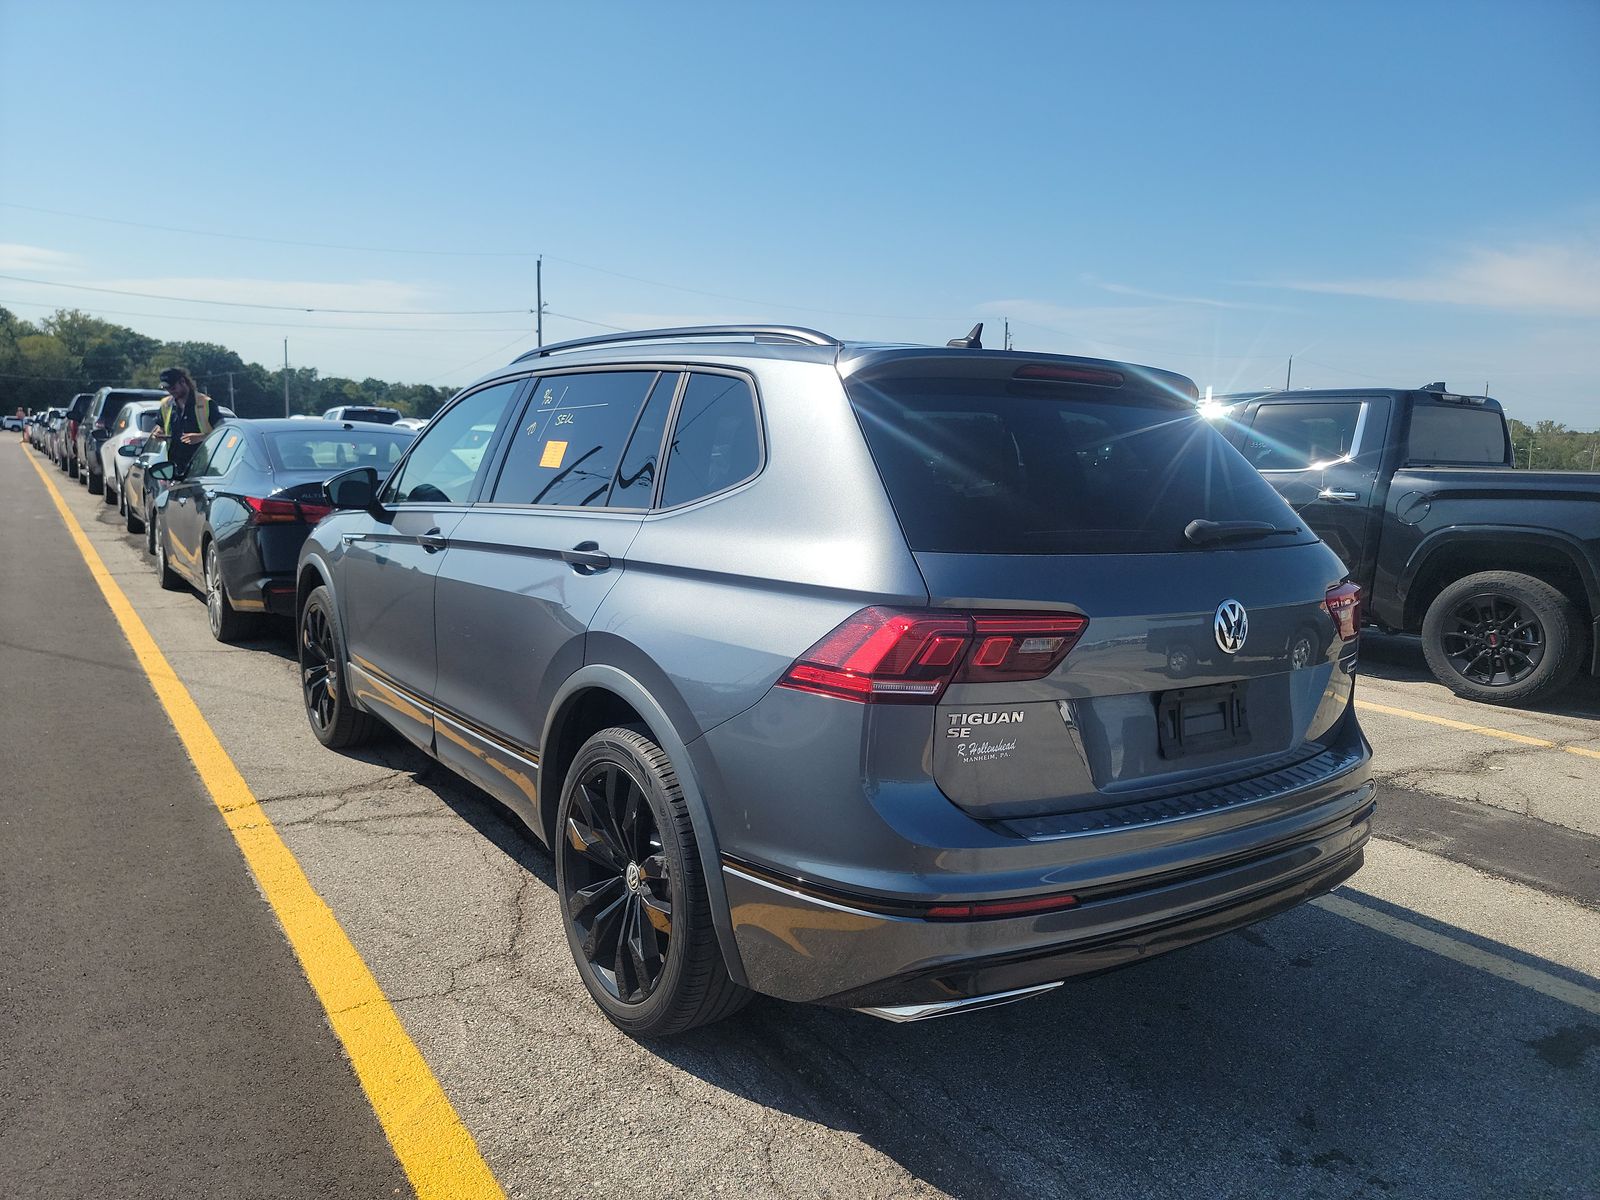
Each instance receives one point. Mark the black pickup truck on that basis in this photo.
(1416, 490)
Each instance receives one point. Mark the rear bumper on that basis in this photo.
(801, 945)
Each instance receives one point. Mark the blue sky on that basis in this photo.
(1391, 193)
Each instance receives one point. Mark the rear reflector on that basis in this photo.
(1344, 606)
(909, 656)
(998, 908)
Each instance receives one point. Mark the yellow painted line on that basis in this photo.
(1504, 735)
(1532, 978)
(433, 1145)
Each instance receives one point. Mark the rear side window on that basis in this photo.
(716, 442)
(992, 466)
(635, 485)
(335, 450)
(571, 438)
(449, 453)
(1451, 433)
(1293, 437)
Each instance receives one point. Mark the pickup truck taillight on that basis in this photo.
(1344, 606)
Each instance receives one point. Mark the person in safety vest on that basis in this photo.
(186, 417)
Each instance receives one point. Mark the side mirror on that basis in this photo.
(129, 449)
(161, 471)
(354, 490)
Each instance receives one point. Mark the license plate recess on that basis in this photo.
(1201, 719)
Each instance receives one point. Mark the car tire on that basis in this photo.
(149, 531)
(1501, 637)
(72, 468)
(319, 639)
(132, 520)
(169, 579)
(227, 623)
(109, 492)
(628, 878)
(96, 484)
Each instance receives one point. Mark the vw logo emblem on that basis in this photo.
(1231, 625)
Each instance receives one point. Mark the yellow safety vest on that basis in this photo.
(202, 414)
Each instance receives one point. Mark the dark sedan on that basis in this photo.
(233, 524)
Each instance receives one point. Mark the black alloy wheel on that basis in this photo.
(632, 896)
(335, 721)
(618, 881)
(1502, 637)
(1492, 640)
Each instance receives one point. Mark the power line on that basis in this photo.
(242, 237)
(122, 312)
(676, 287)
(353, 312)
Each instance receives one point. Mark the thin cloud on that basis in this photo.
(14, 256)
(1532, 278)
(1122, 289)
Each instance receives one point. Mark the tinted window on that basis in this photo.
(571, 438)
(1455, 434)
(200, 463)
(715, 443)
(335, 450)
(978, 466)
(1291, 437)
(224, 453)
(636, 477)
(450, 452)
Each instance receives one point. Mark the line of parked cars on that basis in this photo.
(833, 671)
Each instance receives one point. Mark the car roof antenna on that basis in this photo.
(973, 340)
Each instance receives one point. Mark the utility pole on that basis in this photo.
(286, 377)
(1008, 334)
(538, 299)
(231, 404)
(1287, 378)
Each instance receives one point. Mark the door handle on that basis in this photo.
(1337, 494)
(587, 558)
(433, 541)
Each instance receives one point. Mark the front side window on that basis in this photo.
(716, 442)
(571, 438)
(450, 453)
(200, 464)
(1449, 433)
(1293, 437)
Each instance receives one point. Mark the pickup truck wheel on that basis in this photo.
(632, 898)
(1502, 638)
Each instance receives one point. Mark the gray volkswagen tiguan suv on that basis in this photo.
(896, 678)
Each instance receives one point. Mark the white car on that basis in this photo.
(134, 423)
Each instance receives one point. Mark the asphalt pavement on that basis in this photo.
(1431, 1030)
(156, 1034)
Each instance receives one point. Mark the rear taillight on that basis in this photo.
(1344, 606)
(899, 656)
(270, 511)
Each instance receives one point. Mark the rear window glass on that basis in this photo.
(336, 450)
(977, 466)
(1297, 436)
(715, 443)
(1453, 434)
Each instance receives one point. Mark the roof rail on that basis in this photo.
(794, 334)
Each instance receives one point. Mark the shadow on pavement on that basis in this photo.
(1397, 658)
(1306, 1056)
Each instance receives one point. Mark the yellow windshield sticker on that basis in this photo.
(554, 452)
(232, 442)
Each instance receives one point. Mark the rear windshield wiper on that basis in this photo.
(1203, 533)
